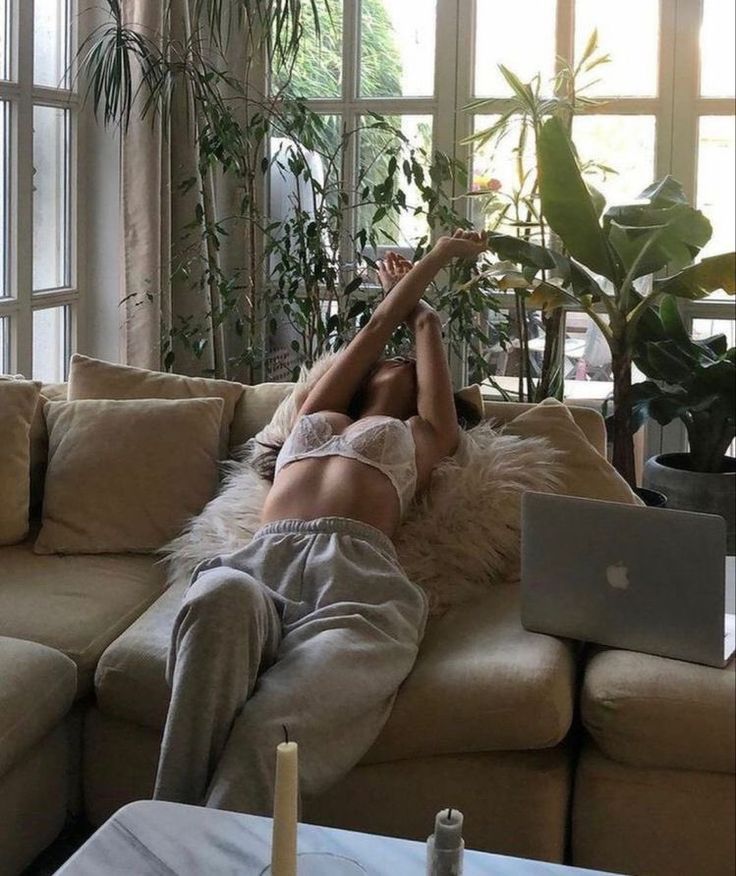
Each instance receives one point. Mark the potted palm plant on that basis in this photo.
(695, 382)
(613, 258)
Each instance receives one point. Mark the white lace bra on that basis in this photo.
(384, 443)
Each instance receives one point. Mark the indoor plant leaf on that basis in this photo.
(672, 322)
(515, 249)
(649, 399)
(551, 297)
(669, 362)
(697, 281)
(567, 204)
(665, 192)
(650, 239)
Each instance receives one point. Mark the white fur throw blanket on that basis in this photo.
(459, 538)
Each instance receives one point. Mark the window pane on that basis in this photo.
(50, 197)
(4, 345)
(519, 35)
(304, 177)
(50, 344)
(397, 48)
(317, 71)
(717, 48)
(51, 43)
(624, 143)
(4, 197)
(717, 180)
(587, 357)
(4, 33)
(587, 354)
(375, 150)
(496, 169)
(706, 328)
(634, 49)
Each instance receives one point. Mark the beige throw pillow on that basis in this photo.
(93, 378)
(124, 476)
(585, 472)
(18, 400)
(255, 409)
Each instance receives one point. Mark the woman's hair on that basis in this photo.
(467, 414)
(261, 456)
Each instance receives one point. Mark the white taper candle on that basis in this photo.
(285, 810)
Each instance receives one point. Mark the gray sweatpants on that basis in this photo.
(312, 626)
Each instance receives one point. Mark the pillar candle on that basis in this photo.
(445, 847)
(285, 803)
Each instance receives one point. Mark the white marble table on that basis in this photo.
(163, 839)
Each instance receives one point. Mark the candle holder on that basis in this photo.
(322, 864)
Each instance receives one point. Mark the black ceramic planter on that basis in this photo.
(651, 498)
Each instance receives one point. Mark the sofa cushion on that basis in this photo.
(37, 687)
(255, 409)
(481, 682)
(18, 400)
(588, 420)
(77, 604)
(93, 378)
(586, 472)
(649, 711)
(125, 476)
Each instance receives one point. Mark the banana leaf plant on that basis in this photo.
(694, 381)
(613, 257)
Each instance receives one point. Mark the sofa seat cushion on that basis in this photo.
(76, 604)
(649, 711)
(37, 688)
(481, 682)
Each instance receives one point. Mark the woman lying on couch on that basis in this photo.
(313, 625)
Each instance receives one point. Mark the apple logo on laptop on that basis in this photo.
(618, 576)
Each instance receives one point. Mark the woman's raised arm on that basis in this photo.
(335, 390)
(437, 418)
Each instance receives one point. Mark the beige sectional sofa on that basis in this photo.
(37, 690)
(654, 788)
(481, 723)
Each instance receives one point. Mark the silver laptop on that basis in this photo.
(642, 579)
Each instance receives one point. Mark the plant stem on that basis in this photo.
(623, 437)
(707, 447)
(522, 347)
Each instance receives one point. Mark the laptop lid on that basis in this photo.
(644, 579)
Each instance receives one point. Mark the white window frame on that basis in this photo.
(22, 96)
(676, 107)
(350, 106)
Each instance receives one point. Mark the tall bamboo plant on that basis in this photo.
(183, 68)
(519, 208)
(309, 267)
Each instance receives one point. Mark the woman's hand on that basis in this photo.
(462, 245)
(392, 269)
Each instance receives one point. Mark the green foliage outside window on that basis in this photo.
(316, 71)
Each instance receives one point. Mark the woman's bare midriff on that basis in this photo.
(333, 486)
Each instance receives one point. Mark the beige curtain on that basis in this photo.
(157, 158)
